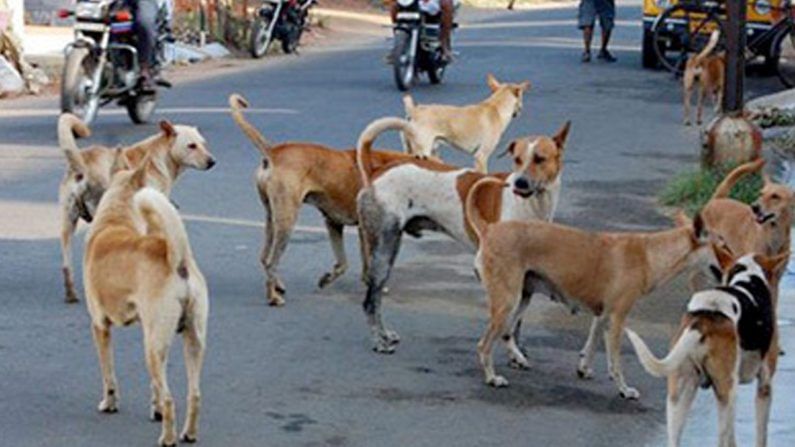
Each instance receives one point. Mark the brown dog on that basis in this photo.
(138, 266)
(413, 196)
(292, 174)
(728, 336)
(474, 129)
(607, 272)
(708, 70)
(89, 173)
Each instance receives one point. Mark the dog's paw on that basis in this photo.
(629, 393)
(520, 364)
(108, 405)
(687, 123)
(71, 297)
(155, 415)
(497, 382)
(585, 373)
(326, 280)
(390, 337)
(167, 441)
(188, 438)
(381, 347)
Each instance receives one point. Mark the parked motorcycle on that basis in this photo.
(102, 62)
(284, 20)
(417, 46)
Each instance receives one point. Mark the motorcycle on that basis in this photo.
(102, 62)
(417, 47)
(284, 20)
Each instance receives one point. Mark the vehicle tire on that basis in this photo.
(783, 55)
(402, 64)
(674, 45)
(290, 41)
(437, 68)
(75, 83)
(141, 107)
(259, 39)
(648, 53)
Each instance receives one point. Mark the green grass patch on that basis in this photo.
(691, 190)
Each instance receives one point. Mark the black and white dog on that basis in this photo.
(728, 336)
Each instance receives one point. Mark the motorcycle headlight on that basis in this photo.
(90, 10)
(405, 3)
(762, 7)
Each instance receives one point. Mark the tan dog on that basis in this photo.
(728, 336)
(607, 272)
(474, 129)
(89, 173)
(138, 266)
(292, 174)
(413, 196)
(708, 70)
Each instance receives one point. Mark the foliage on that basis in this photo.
(691, 190)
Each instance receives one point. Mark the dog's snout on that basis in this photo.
(521, 183)
(756, 208)
(210, 163)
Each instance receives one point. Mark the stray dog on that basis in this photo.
(474, 129)
(417, 195)
(607, 272)
(138, 266)
(728, 336)
(708, 70)
(89, 173)
(292, 174)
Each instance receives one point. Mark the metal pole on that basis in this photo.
(735, 57)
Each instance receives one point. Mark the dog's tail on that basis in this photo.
(472, 212)
(408, 104)
(237, 103)
(725, 187)
(679, 353)
(364, 148)
(163, 220)
(68, 126)
(713, 42)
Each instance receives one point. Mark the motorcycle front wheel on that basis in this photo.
(402, 63)
(76, 97)
(260, 38)
(141, 107)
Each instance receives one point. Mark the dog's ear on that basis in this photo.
(511, 149)
(724, 256)
(525, 86)
(493, 83)
(168, 128)
(119, 162)
(561, 135)
(772, 265)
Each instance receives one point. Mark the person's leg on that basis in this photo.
(586, 16)
(145, 16)
(607, 14)
(446, 29)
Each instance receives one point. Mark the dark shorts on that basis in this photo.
(591, 9)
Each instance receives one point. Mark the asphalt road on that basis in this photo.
(304, 375)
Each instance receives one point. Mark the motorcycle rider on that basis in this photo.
(145, 23)
(433, 7)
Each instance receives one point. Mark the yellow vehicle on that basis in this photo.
(687, 27)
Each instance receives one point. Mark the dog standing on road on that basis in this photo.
(474, 129)
(292, 174)
(728, 336)
(607, 272)
(417, 195)
(89, 173)
(138, 266)
(708, 70)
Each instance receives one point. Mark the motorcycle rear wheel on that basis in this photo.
(437, 68)
(76, 83)
(260, 40)
(402, 64)
(141, 107)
